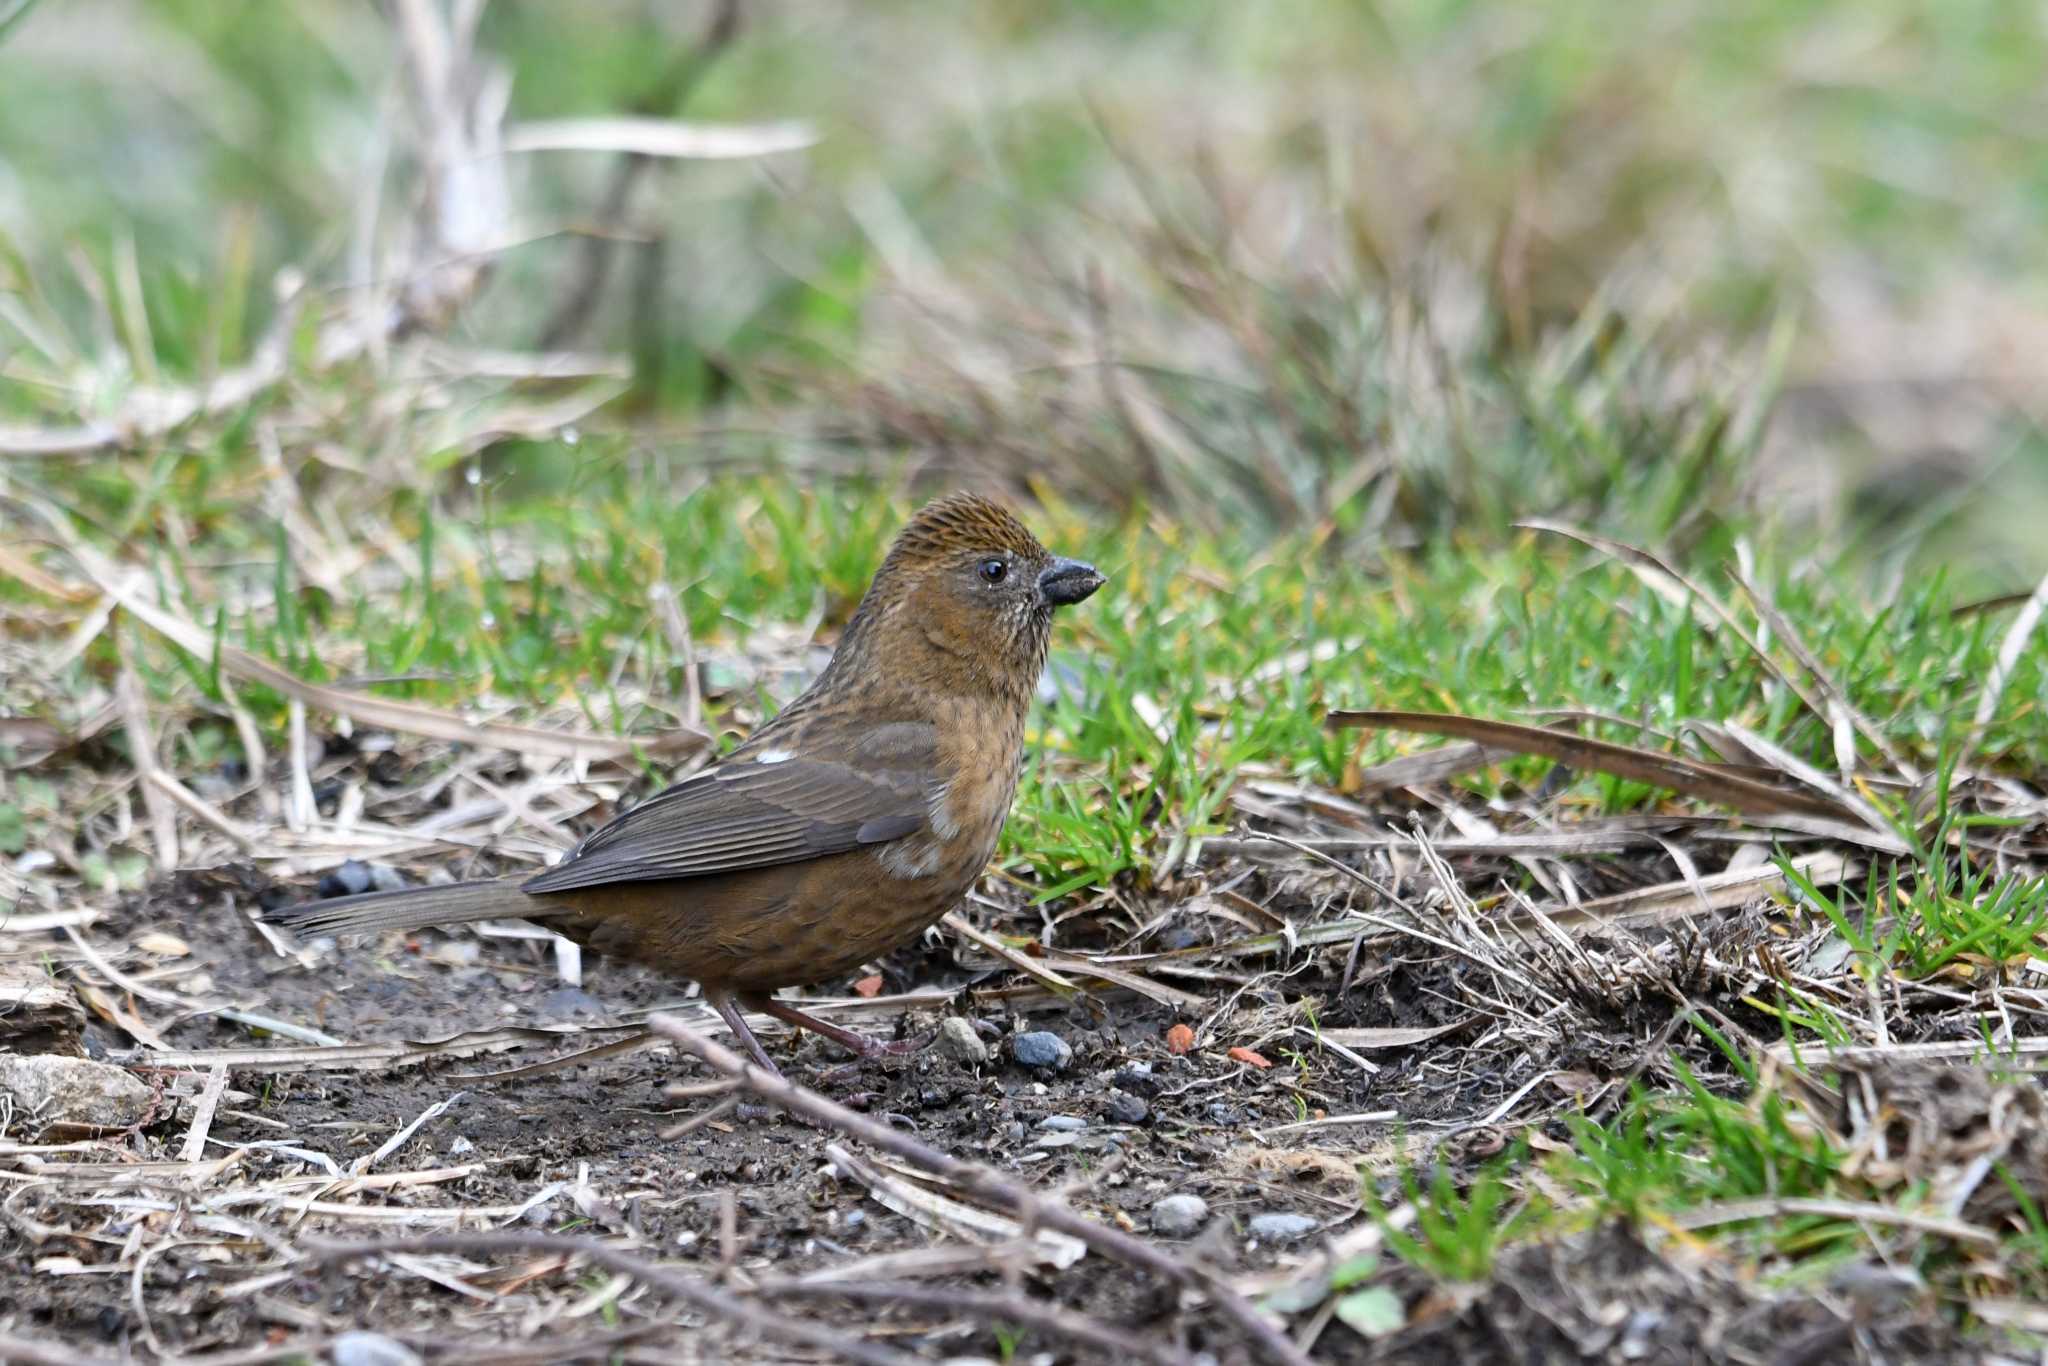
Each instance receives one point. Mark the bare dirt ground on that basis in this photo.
(1258, 1035)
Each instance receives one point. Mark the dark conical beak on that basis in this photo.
(1066, 582)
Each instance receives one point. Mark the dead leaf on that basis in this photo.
(1709, 781)
(1246, 1055)
(162, 945)
(1388, 1037)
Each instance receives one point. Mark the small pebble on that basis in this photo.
(350, 879)
(1180, 1216)
(958, 1041)
(1064, 1123)
(565, 1003)
(1281, 1228)
(213, 787)
(1137, 1079)
(370, 1349)
(385, 878)
(1041, 1049)
(1124, 1108)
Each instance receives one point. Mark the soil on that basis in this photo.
(752, 1191)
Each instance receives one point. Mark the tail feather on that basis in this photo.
(410, 908)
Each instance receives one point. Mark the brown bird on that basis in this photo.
(842, 828)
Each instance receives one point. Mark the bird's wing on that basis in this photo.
(764, 806)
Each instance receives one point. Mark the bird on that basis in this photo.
(840, 829)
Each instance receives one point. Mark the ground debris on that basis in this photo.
(1607, 1296)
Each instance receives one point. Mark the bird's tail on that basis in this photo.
(410, 908)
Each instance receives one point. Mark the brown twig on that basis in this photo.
(989, 1185)
(698, 1294)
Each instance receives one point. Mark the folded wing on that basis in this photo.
(747, 813)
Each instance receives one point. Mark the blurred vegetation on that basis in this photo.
(1399, 269)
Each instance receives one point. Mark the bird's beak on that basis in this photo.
(1066, 582)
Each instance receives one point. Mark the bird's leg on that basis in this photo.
(857, 1044)
(721, 1001)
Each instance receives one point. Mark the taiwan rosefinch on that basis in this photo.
(842, 828)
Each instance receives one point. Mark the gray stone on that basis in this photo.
(1180, 1216)
(567, 1003)
(385, 878)
(350, 879)
(1065, 1123)
(370, 1349)
(958, 1041)
(1042, 1049)
(1281, 1228)
(56, 1096)
(1125, 1108)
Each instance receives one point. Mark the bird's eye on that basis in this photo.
(994, 571)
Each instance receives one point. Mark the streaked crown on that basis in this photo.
(961, 522)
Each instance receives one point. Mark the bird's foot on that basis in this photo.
(742, 1035)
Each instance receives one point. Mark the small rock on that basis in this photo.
(1064, 1123)
(1137, 1079)
(350, 879)
(1180, 1216)
(461, 1147)
(214, 787)
(1639, 1336)
(1041, 1048)
(370, 1349)
(1281, 1228)
(61, 1096)
(566, 1003)
(958, 1041)
(1124, 1108)
(385, 878)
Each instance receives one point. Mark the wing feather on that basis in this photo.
(747, 814)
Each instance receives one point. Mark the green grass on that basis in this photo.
(1202, 657)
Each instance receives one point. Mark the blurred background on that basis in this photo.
(1389, 271)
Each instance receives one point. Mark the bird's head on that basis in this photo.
(965, 598)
